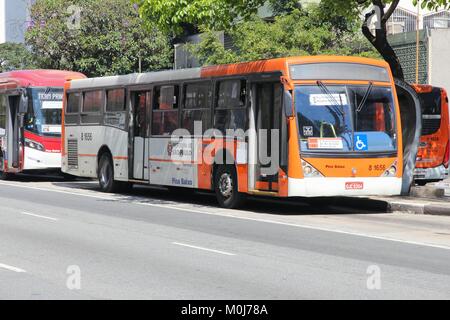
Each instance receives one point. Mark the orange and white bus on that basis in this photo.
(30, 119)
(433, 156)
(289, 127)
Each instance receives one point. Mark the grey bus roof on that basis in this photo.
(137, 78)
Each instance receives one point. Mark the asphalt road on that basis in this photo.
(65, 240)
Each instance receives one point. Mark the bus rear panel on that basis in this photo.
(433, 156)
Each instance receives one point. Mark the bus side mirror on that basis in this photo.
(23, 106)
(287, 104)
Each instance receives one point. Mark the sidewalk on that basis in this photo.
(432, 199)
(416, 205)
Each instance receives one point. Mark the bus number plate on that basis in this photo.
(86, 136)
(354, 185)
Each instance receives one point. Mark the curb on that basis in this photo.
(441, 209)
(437, 210)
(426, 206)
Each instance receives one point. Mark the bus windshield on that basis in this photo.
(346, 118)
(44, 112)
(431, 111)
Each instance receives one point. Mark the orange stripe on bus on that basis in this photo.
(174, 161)
(295, 167)
(87, 155)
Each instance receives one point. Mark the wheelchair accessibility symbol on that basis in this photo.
(361, 142)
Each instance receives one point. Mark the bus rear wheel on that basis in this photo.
(106, 175)
(226, 187)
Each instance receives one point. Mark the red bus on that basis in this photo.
(30, 119)
(433, 156)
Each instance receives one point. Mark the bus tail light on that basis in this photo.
(447, 156)
(309, 171)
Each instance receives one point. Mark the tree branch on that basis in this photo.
(390, 11)
(365, 27)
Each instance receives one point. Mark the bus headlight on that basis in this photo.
(34, 145)
(309, 171)
(391, 172)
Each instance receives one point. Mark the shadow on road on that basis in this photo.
(202, 199)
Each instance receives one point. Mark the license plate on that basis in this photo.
(354, 185)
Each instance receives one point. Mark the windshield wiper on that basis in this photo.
(364, 99)
(331, 97)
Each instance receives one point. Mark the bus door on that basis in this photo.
(266, 109)
(139, 134)
(17, 106)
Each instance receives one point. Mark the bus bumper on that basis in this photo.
(38, 160)
(436, 173)
(329, 187)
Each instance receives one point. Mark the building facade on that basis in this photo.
(433, 44)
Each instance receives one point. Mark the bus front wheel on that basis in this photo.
(226, 187)
(3, 174)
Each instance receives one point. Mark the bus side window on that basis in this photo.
(2, 115)
(165, 110)
(197, 105)
(92, 102)
(230, 110)
(73, 102)
(115, 101)
(140, 124)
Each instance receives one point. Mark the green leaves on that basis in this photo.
(433, 4)
(109, 39)
(171, 15)
(297, 33)
(14, 56)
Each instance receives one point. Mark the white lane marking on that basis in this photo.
(11, 268)
(38, 216)
(358, 234)
(57, 191)
(204, 249)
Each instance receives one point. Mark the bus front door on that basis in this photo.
(15, 132)
(140, 134)
(266, 109)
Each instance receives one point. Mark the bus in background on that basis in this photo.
(335, 123)
(433, 156)
(30, 119)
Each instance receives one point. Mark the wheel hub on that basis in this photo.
(226, 185)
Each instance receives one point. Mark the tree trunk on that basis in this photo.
(379, 40)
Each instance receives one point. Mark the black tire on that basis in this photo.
(106, 175)
(226, 187)
(421, 182)
(3, 175)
